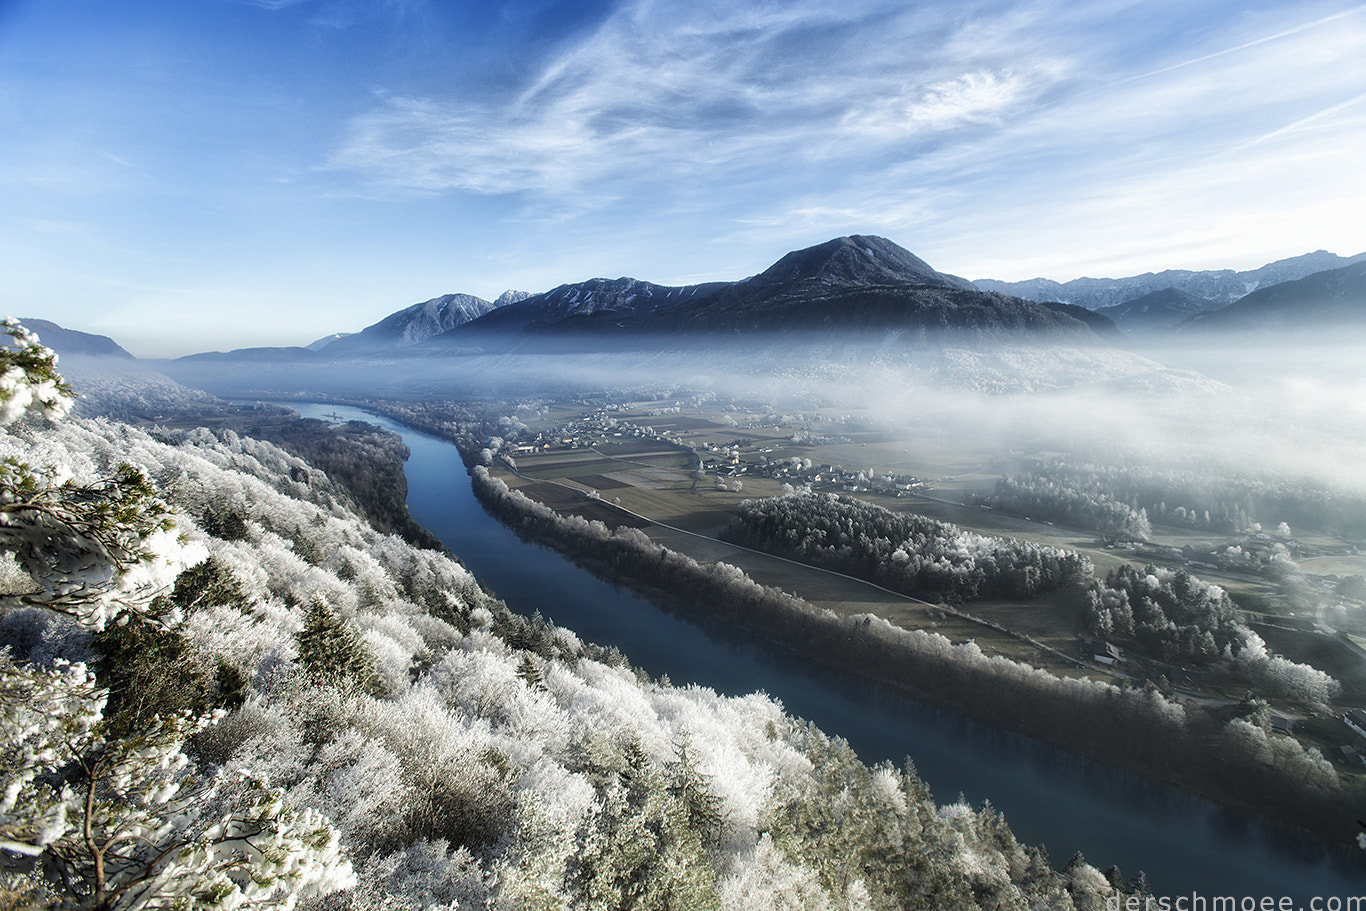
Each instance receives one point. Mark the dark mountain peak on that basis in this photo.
(858, 259)
(72, 341)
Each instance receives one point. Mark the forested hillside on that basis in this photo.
(363, 460)
(221, 688)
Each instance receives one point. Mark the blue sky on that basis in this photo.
(190, 175)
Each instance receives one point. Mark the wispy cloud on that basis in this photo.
(1316, 118)
(272, 4)
(1221, 159)
(716, 92)
(1263, 39)
(971, 98)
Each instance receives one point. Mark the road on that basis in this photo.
(962, 615)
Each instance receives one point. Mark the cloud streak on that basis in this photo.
(805, 119)
(659, 95)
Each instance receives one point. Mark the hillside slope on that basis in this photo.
(472, 757)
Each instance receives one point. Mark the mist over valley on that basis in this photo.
(1143, 547)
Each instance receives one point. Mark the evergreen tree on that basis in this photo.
(332, 650)
(529, 671)
(692, 788)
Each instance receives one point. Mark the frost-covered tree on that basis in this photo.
(29, 377)
(113, 816)
(96, 550)
(125, 823)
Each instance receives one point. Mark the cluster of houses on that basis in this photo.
(586, 431)
(720, 460)
(825, 477)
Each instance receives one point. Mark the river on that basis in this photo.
(1186, 846)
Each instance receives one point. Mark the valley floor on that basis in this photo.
(680, 478)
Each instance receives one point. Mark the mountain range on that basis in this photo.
(1216, 287)
(1324, 301)
(415, 324)
(855, 287)
(850, 285)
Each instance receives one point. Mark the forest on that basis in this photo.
(222, 688)
(906, 552)
(1123, 501)
(1173, 616)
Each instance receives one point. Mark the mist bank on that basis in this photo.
(833, 366)
(1241, 404)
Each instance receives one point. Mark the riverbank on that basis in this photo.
(1132, 729)
(1051, 795)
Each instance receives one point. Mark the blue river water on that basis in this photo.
(1186, 846)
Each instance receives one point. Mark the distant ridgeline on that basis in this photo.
(860, 286)
(850, 285)
(1300, 294)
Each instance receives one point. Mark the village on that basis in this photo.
(725, 461)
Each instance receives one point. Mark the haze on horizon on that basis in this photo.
(190, 177)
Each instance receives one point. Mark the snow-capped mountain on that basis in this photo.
(1217, 287)
(413, 324)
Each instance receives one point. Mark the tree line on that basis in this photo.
(1115, 499)
(1081, 502)
(906, 552)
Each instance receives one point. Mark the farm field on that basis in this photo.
(663, 485)
(681, 476)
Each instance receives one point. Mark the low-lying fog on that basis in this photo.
(1249, 407)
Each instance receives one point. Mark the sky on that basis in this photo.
(195, 175)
